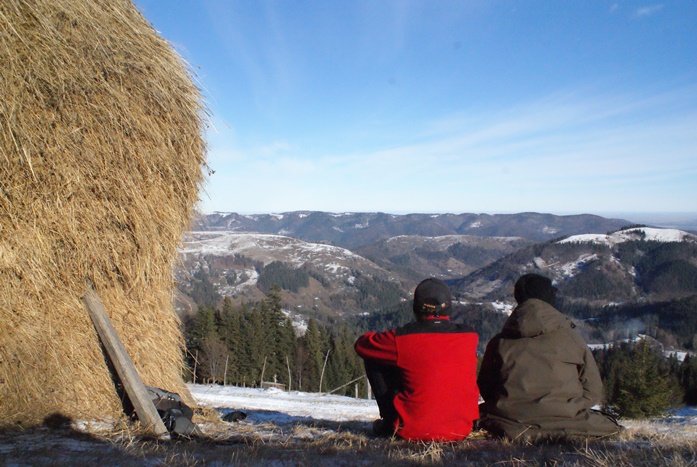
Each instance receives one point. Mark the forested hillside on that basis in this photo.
(275, 309)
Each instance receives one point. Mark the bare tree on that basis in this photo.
(215, 353)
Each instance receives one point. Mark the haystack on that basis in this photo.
(101, 156)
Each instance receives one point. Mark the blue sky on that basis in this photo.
(443, 106)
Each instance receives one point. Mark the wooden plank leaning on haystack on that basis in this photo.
(143, 405)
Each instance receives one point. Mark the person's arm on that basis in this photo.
(380, 346)
(590, 379)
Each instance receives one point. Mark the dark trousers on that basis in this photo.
(385, 381)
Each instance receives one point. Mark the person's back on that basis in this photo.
(424, 375)
(539, 377)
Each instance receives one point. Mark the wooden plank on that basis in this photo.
(144, 407)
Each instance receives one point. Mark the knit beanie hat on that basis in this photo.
(432, 297)
(534, 286)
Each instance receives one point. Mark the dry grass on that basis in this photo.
(332, 444)
(100, 163)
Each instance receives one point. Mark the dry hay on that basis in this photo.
(100, 162)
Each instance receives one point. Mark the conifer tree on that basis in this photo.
(230, 331)
(314, 352)
(344, 364)
(688, 379)
(253, 347)
(279, 338)
(644, 386)
(203, 325)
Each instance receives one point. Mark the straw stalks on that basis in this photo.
(101, 158)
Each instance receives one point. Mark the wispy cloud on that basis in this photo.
(648, 10)
(567, 152)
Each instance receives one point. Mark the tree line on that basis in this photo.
(256, 343)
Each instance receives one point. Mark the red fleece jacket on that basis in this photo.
(438, 365)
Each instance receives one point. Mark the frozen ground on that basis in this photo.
(288, 408)
(295, 428)
(282, 407)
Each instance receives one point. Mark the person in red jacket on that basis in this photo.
(423, 375)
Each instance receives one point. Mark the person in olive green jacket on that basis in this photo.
(538, 377)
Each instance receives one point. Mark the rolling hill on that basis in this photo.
(353, 230)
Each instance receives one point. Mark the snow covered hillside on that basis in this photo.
(638, 233)
(328, 279)
(638, 264)
(267, 248)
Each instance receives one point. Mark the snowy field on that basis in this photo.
(282, 407)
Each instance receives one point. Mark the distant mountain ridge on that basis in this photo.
(354, 230)
(353, 262)
(632, 265)
(610, 281)
(414, 257)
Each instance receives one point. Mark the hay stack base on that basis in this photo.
(100, 163)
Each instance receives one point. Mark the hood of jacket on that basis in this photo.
(534, 317)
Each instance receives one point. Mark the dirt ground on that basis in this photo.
(330, 443)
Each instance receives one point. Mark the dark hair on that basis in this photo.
(534, 286)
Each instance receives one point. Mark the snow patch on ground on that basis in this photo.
(281, 407)
(264, 247)
(667, 353)
(503, 307)
(334, 268)
(678, 424)
(549, 230)
(570, 269)
(298, 322)
(638, 233)
(252, 276)
(289, 408)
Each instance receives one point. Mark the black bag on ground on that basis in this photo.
(175, 414)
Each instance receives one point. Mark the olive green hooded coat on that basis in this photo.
(538, 377)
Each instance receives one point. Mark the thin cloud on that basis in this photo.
(275, 148)
(565, 152)
(648, 10)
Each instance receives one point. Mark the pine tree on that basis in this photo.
(314, 345)
(253, 349)
(644, 386)
(202, 326)
(279, 337)
(688, 379)
(203, 340)
(230, 331)
(344, 364)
